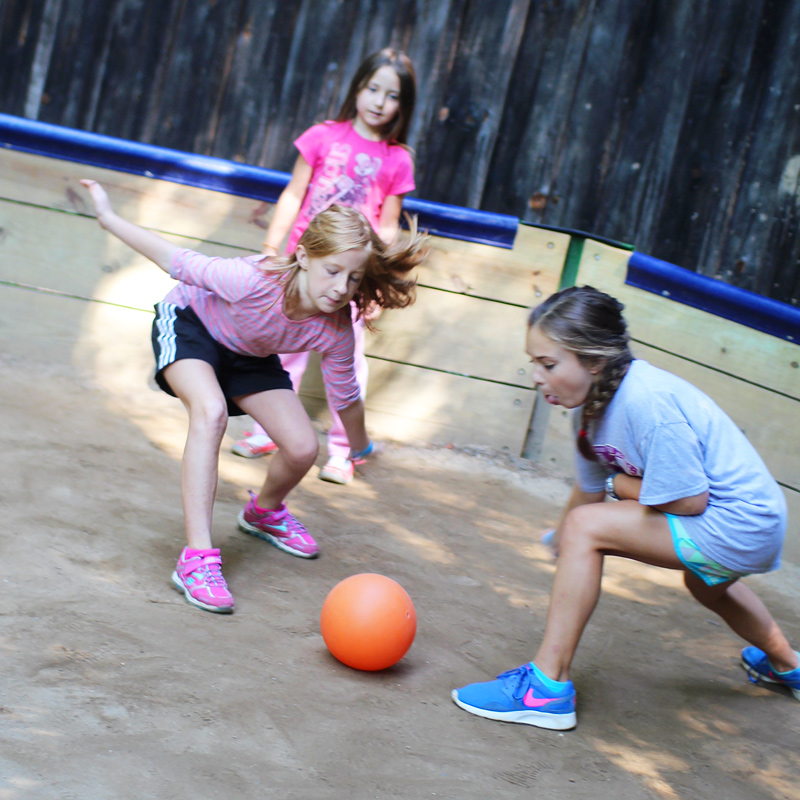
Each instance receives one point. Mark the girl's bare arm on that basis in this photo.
(627, 487)
(149, 244)
(389, 223)
(288, 206)
(353, 420)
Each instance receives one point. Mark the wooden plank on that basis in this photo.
(456, 333)
(691, 333)
(522, 275)
(508, 113)
(770, 421)
(408, 404)
(72, 254)
(78, 257)
(161, 205)
(791, 545)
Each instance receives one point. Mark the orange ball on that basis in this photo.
(368, 621)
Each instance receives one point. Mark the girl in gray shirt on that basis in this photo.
(694, 495)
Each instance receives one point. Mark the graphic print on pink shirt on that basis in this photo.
(336, 186)
(350, 170)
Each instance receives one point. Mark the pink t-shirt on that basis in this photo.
(241, 306)
(350, 170)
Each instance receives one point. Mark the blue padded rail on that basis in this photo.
(226, 176)
(708, 294)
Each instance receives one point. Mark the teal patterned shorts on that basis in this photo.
(693, 559)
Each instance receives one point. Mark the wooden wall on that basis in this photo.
(672, 124)
(450, 369)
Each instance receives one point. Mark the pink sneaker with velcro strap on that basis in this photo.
(198, 574)
(279, 528)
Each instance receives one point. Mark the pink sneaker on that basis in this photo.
(278, 527)
(199, 577)
(338, 470)
(254, 445)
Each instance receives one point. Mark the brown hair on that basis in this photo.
(386, 282)
(397, 129)
(590, 324)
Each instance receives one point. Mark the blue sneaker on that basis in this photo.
(520, 695)
(758, 668)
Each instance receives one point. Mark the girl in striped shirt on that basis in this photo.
(215, 338)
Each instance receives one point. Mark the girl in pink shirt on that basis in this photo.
(358, 160)
(215, 337)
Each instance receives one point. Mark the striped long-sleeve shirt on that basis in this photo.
(241, 306)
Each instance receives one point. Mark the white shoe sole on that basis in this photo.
(539, 719)
(275, 541)
(335, 476)
(751, 671)
(176, 582)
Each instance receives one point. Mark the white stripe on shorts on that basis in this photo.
(167, 344)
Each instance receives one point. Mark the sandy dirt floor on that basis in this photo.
(114, 687)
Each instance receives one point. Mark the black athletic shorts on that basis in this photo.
(178, 333)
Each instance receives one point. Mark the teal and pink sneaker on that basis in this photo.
(198, 575)
(758, 668)
(278, 527)
(525, 695)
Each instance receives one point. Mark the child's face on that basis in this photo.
(329, 283)
(564, 380)
(378, 102)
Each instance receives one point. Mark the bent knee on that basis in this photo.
(583, 525)
(210, 414)
(302, 453)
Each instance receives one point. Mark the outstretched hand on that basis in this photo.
(143, 241)
(102, 205)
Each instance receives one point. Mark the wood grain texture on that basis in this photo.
(51, 243)
(692, 334)
(672, 125)
(409, 404)
(771, 422)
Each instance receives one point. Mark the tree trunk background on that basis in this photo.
(670, 124)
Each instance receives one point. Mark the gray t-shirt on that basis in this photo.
(666, 431)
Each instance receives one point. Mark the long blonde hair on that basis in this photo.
(387, 281)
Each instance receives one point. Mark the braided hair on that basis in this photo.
(590, 324)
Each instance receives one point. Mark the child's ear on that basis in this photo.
(598, 366)
(302, 256)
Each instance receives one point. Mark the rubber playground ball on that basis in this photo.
(368, 621)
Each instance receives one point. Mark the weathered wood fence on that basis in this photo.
(674, 124)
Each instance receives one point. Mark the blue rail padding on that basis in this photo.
(457, 222)
(221, 175)
(712, 295)
(109, 152)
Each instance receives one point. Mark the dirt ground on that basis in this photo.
(114, 687)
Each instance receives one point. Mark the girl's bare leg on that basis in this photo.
(747, 616)
(282, 415)
(588, 534)
(195, 383)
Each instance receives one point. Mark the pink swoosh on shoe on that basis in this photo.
(537, 702)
